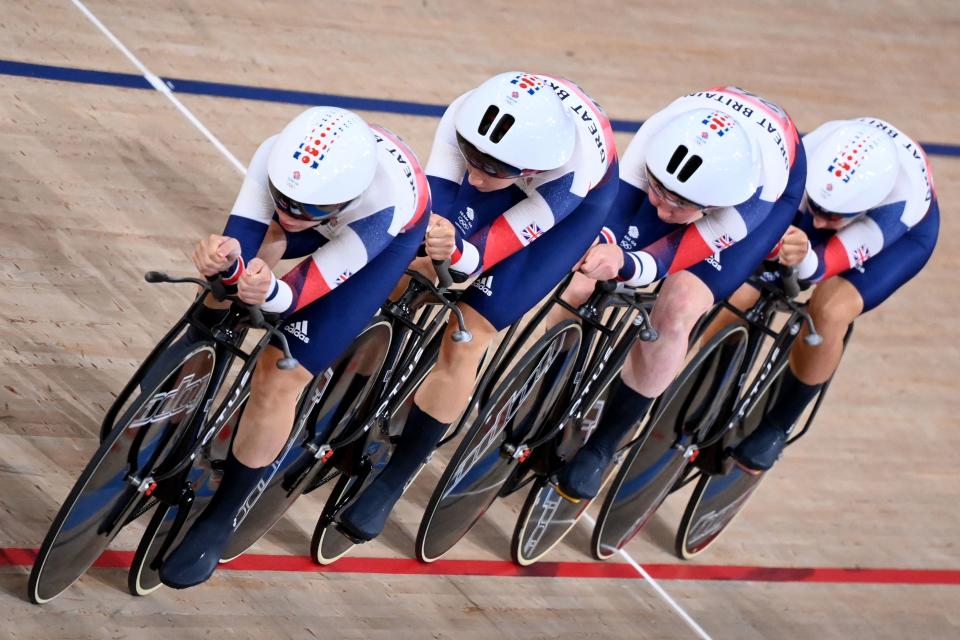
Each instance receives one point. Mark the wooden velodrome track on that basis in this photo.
(102, 177)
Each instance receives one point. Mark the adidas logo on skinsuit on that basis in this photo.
(299, 330)
(485, 285)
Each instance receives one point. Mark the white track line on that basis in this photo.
(656, 587)
(160, 86)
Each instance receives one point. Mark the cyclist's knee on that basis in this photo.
(271, 385)
(460, 358)
(835, 304)
(682, 300)
(579, 289)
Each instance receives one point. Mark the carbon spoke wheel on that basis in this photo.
(327, 544)
(654, 465)
(203, 478)
(106, 491)
(718, 498)
(546, 516)
(328, 407)
(516, 411)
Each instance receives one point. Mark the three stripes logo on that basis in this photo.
(299, 330)
(485, 285)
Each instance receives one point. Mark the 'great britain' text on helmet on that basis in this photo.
(705, 156)
(516, 120)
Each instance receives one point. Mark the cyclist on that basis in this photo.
(868, 225)
(707, 187)
(522, 172)
(350, 196)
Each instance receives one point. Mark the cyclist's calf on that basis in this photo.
(445, 391)
(834, 304)
(651, 366)
(270, 411)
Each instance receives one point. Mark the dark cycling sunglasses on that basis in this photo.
(302, 211)
(670, 197)
(487, 163)
(820, 212)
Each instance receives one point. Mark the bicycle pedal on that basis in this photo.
(747, 470)
(568, 498)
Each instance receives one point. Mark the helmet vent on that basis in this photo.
(502, 127)
(689, 168)
(678, 155)
(488, 117)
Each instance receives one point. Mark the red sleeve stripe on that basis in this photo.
(501, 243)
(776, 250)
(235, 274)
(307, 284)
(835, 258)
(692, 249)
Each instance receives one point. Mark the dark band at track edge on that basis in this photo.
(243, 92)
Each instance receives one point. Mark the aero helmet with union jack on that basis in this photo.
(706, 157)
(324, 156)
(515, 124)
(852, 170)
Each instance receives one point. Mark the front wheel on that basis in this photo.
(516, 411)
(718, 498)
(655, 464)
(546, 516)
(203, 479)
(107, 493)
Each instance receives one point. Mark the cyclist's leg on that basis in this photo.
(576, 293)
(496, 299)
(743, 298)
(648, 370)
(834, 305)
(318, 333)
(650, 367)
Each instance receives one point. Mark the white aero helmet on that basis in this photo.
(514, 124)
(707, 157)
(852, 170)
(323, 159)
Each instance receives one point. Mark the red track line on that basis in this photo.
(405, 566)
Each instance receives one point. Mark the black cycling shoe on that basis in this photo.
(759, 451)
(196, 558)
(582, 477)
(365, 519)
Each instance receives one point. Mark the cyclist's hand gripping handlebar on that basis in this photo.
(791, 288)
(214, 285)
